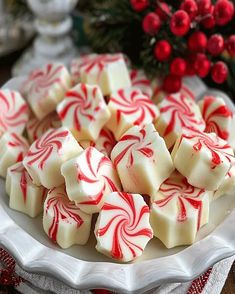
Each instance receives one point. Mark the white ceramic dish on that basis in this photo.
(82, 267)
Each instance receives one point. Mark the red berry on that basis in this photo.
(191, 60)
(151, 23)
(197, 42)
(190, 6)
(139, 5)
(219, 72)
(223, 12)
(204, 7)
(162, 11)
(230, 45)
(162, 50)
(178, 66)
(202, 65)
(180, 23)
(208, 22)
(215, 45)
(172, 83)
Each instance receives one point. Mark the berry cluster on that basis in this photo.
(195, 21)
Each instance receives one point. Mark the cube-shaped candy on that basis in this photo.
(203, 158)
(89, 178)
(108, 71)
(24, 195)
(84, 111)
(14, 112)
(178, 111)
(217, 116)
(178, 211)
(76, 63)
(130, 107)
(104, 143)
(227, 185)
(13, 149)
(63, 222)
(46, 155)
(44, 88)
(35, 128)
(140, 81)
(142, 160)
(122, 228)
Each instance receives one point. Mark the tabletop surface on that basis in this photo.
(5, 73)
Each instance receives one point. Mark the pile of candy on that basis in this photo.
(101, 145)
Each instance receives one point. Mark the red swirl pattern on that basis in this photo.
(19, 144)
(132, 145)
(95, 172)
(180, 110)
(219, 149)
(40, 81)
(13, 112)
(133, 103)
(177, 187)
(49, 144)
(140, 81)
(81, 105)
(36, 128)
(216, 118)
(104, 143)
(125, 223)
(61, 209)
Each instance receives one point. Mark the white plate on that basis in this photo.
(82, 267)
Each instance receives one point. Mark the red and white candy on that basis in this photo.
(63, 222)
(203, 158)
(75, 67)
(142, 160)
(89, 178)
(14, 112)
(36, 128)
(178, 211)
(24, 195)
(122, 228)
(218, 117)
(46, 155)
(140, 81)
(104, 143)
(108, 71)
(130, 107)
(84, 111)
(44, 88)
(178, 111)
(13, 149)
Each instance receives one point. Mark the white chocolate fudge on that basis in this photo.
(14, 112)
(130, 107)
(104, 143)
(227, 185)
(203, 158)
(35, 128)
(89, 178)
(178, 211)
(178, 111)
(108, 71)
(217, 116)
(13, 149)
(44, 88)
(140, 81)
(84, 111)
(142, 160)
(47, 154)
(158, 93)
(24, 195)
(63, 222)
(122, 229)
(76, 63)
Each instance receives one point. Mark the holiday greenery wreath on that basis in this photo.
(170, 39)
